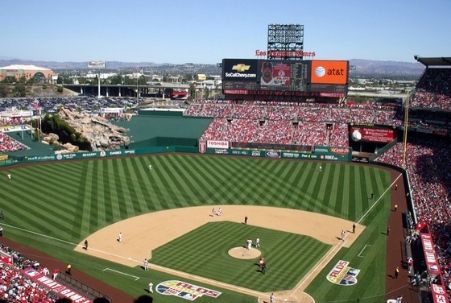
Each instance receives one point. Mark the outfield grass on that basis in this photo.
(204, 252)
(71, 200)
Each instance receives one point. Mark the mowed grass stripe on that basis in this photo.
(19, 206)
(293, 171)
(353, 190)
(225, 172)
(333, 190)
(121, 190)
(189, 171)
(86, 200)
(166, 184)
(117, 205)
(134, 185)
(108, 215)
(142, 174)
(187, 196)
(38, 202)
(329, 186)
(213, 180)
(51, 200)
(157, 196)
(347, 187)
(129, 190)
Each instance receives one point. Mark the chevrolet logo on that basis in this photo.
(241, 67)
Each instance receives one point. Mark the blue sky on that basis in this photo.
(202, 31)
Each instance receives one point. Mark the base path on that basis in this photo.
(142, 234)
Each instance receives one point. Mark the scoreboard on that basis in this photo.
(283, 77)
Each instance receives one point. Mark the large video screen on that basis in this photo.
(254, 76)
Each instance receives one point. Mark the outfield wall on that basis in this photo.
(323, 153)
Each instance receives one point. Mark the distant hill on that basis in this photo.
(359, 67)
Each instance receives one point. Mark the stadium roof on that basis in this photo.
(439, 61)
(23, 67)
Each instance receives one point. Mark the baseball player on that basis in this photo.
(9, 176)
(146, 265)
(119, 237)
(249, 244)
(151, 287)
(257, 242)
(150, 167)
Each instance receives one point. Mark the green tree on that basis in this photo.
(4, 90)
(142, 80)
(192, 91)
(206, 93)
(116, 80)
(19, 90)
(23, 80)
(59, 80)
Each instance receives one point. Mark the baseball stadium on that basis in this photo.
(285, 190)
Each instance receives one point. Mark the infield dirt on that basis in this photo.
(144, 233)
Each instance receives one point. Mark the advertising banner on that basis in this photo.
(185, 290)
(217, 144)
(384, 135)
(429, 255)
(58, 288)
(342, 274)
(241, 70)
(439, 294)
(329, 72)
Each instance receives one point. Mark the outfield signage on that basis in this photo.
(429, 255)
(56, 287)
(217, 144)
(342, 274)
(185, 290)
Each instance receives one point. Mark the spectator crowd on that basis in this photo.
(287, 123)
(8, 144)
(15, 286)
(429, 169)
(433, 90)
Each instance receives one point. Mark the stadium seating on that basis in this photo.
(433, 90)
(429, 171)
(307, 112)
(8, 144)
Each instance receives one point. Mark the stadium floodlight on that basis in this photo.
(285, 41)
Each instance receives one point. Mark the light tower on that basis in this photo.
(98, 66)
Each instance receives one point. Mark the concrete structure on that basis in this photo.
(28, 71)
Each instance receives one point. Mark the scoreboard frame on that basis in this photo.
(265, 77)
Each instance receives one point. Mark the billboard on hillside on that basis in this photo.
(97, 64)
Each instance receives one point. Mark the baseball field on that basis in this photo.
(54, 207)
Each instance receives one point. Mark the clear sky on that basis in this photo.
(205, 31)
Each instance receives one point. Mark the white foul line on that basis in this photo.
(72, 243)
(360, 253)
(120, 272)
(375, 202)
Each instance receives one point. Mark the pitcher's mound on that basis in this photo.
(244, 253)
